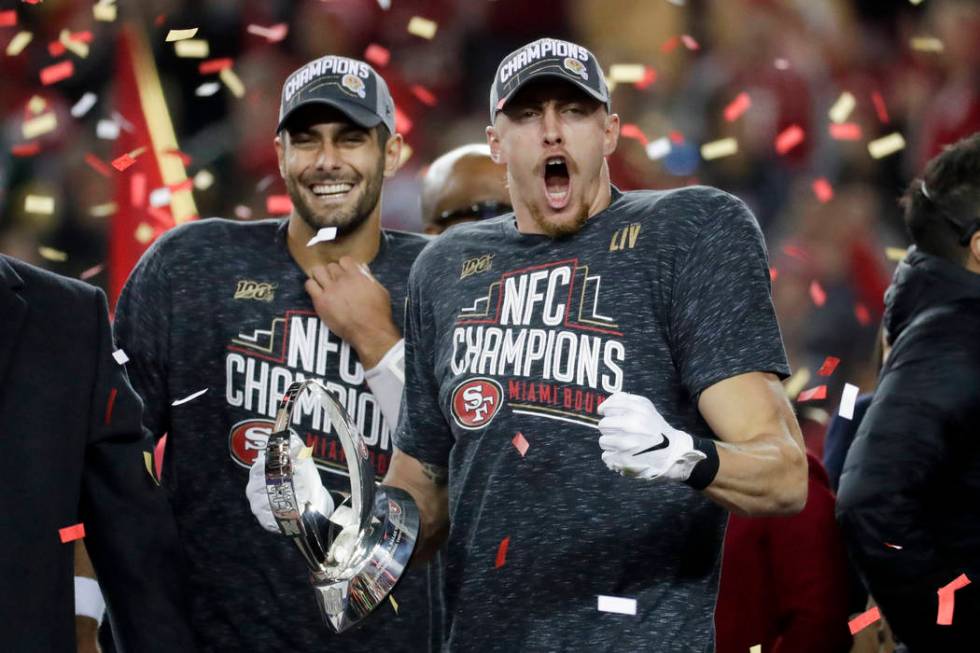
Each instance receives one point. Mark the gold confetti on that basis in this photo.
(80, 48)
(36, 104)
(38, 126)
(895, 253)
(203, 180)
(886, 145)
(394, 603)
(719, 149)
(755, 648)
(148, 461)
(304, 453)
(143, 234)
(192, 49)
(18, 43)
(102, 210)
(52, 254)
(422, 27)
(233, 82)
(794, 384)
(926, 44)
(181, 34)
(40, 204)
(405, 155)
(627, 73)
(842, 107)
(104, 11)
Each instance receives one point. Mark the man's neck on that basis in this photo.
(362, 245)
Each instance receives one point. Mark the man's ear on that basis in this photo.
(280, 154)
(610, 138)
(975, 249)
(393, 154)
(493, 140)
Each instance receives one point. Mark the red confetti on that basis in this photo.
(162, 217)
(847, 131)
(773, 273)
(689, 42)
(403, 124)
(864, 620)
(820, 392)
(629, 130)
(56, 72)
(98, 165)
(502, 552)
(272, 34)
(109, 405)
(159, 20)
(123, 162)
(829, 365)
(33, 2)
(377, 55)
(57, 48)
(862, 315)
(278, 205)
(823, 190)
(184, 158)
(187, 184)
(670, 44)
(520, 443)
(26, 149)
(8, 18)
(789, 138)
(737, 107)
(880, 107)
(92, 271)
(676, 137)
(424, 95)
(137, 189)
(71, 533)
(214, 65)
(947, 600)
(796, 252)
(817, 293)
(649, 77)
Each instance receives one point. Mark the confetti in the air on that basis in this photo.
(203, 180)
(424, 95)
(820, 392)
(718, 149)
(77, 44)
(160, 197)
(84, 104)
(842, 107)
(880, 109)
(864, 620)
(823, 190)
(847, 399)
(847, 131)
(52, 254)
(137, 189)
(192, 49)
(737, 107)
(789, 138)
(207, 89)
(926, 44)
(272, 34)
(897, 547)
(629, 130)
(91, 272)
(39, 204)
(233, 82)
(829, 365)
(659, 148)
(322, 236)
(57, 72)
(278, 204)
(148, 464)
(181, 34)
(120, 163)
(896, 253)
(71, 533)
(617, 604)
(8, 18)
(144, 233)
(98, 165)
(817, 293)
(886, 145)
(107, 130)
(947, 600)
(192, 397)
(422, 27)
(862, 315)
(377, 55)
(104, 11)
(502, 552)
(185, 159)
(649, 77)
(520, 443)
(755, 648)
(627, 73)
(394, 603)
(794, 384)
(18, 43)
(103, 210)
(304, 453)
(689, 42)
(26, 149)
(214, 65)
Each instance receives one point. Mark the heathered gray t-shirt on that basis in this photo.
(663, 294)
(220, 305)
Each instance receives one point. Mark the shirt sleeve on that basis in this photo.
(722, 320)
(423, 431)
(142, 329)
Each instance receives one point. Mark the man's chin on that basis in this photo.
(559, 224)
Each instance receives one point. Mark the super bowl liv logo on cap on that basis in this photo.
(330, 65)
(543, 49)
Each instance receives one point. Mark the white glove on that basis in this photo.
(638, 442)
(306, 483)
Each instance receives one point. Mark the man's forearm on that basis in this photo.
(427, 485)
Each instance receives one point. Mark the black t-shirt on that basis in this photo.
(220, 305)
(663, 294)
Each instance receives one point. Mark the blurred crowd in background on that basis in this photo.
(828, 206)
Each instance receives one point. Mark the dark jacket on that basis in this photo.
(909, 499)
(72, 450)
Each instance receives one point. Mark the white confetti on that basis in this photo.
(120, 356)
(617, 604)
(847, 399)
(203, 180)
(324, 235)
(181, 34)
(207, 89)
(107, 130)
(384, 4)
(886, 145)
(83, 105)
(659, 148)
(627, 73)
(160, 197)
(718, 149)
(842, 107)
(189, 398)
(40, 204)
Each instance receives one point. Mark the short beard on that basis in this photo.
(560, 230)
(347, 221)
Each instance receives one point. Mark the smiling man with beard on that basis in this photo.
(644, 315)
(243, 310)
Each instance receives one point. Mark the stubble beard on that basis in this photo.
(347, 220)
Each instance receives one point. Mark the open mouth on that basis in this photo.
(557, 182)
(333, 190)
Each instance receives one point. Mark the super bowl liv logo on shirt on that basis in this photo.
(261, 363)
(540, 332)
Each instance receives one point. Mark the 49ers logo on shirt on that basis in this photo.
(248, 438)
(476, 402)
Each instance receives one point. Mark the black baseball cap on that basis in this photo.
(351, 86)
(547, 58)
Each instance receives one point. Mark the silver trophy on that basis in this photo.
(357, 554)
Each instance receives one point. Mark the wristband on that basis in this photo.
(704, 471)
(88, 599)
(393, 361)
